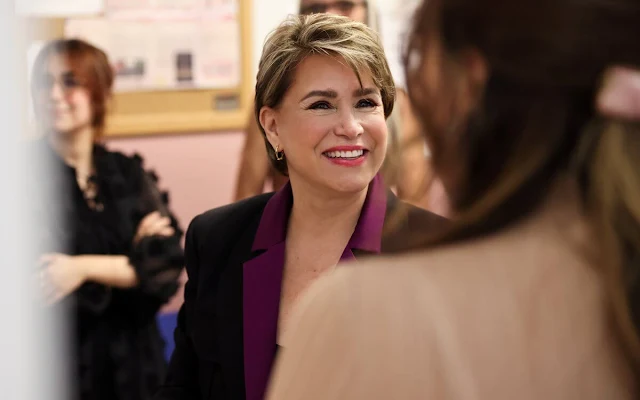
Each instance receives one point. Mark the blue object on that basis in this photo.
(167, 324)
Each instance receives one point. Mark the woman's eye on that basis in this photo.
(366, 103)
(70, 82)
(320, 105)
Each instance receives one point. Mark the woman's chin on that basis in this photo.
(65, 129)
(352, 184)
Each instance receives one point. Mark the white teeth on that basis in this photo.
(345, 154)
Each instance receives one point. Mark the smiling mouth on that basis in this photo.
(345, 155)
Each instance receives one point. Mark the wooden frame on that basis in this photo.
(178, 111)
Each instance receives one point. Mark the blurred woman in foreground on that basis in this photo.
(533, 119)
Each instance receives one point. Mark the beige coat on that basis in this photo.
(519, 315)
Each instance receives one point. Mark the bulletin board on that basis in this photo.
(138, 112)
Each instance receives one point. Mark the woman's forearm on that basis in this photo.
(109, 270)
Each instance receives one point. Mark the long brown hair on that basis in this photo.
(89, 64)
(536, 120)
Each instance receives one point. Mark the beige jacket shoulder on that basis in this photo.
(529, 322)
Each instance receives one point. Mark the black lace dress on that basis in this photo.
(118, 350)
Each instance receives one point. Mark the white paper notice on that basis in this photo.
(219, 58)
(58, 8)
(117, 5)
(127, 4)
(160, 53)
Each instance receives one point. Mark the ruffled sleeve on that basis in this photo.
(158, 260)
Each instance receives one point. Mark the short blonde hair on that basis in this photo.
(301, 36)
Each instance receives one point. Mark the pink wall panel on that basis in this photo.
(198, 170)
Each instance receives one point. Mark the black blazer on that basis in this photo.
(219, 353)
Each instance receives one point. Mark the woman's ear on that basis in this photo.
(269, 122)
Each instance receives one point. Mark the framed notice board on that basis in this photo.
(176, 96)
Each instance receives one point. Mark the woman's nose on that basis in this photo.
(349, 126)
(56, 92)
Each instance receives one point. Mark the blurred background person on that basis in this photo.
(323, 92)
(533, 116)
(405, 168)
(117, 254)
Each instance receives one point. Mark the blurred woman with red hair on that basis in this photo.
(112, 249)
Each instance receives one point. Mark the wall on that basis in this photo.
(266, 16)
(199, 171)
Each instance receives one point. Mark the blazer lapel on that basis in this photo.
(347, 255)
(262, 282)
(262, 275)
(261, 286)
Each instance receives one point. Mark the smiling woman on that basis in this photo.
(70, 91)
(406, 168)
(342, 118)
(323, 93)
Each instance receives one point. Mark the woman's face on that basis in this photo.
(331, 129)
(353, 9)
(63, 104)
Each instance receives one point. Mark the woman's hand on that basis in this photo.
(153, 224)
(61, 275)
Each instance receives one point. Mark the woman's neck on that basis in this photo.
(559, 221)
(318, 213)
(75, 149)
